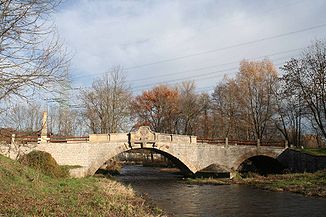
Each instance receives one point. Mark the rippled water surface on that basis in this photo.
(171, 194)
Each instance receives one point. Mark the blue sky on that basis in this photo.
(171, 41)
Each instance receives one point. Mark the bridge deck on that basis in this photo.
(142, 136)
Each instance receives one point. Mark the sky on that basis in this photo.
(167, 42)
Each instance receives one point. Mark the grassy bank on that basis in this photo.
(209, 181)
(27, 192)
(310, 184)
(313, 151)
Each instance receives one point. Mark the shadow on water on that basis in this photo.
(170, 193)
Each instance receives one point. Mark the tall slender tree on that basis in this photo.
(256, 80)
(307, 75)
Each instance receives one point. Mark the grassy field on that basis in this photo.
(310, 184)
(313, 151)
(27, 192)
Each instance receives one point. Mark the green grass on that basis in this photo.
(313, 151)
(310, 184)
(208, 181)
(27, 192)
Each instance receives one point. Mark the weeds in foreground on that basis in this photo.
(28, 192)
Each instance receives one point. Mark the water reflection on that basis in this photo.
(170, 193)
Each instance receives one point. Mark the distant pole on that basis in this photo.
(226, 142)
(258, 143)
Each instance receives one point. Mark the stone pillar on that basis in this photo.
(286, 144)
(44, 132)
(193, 139)
(226, 142)
(258, 143)
(13, 137)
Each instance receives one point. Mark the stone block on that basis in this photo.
(163, 137)
(193, 139)
(180, 139)
(98, 138)
(118, 137)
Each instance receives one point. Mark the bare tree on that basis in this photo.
(227, 110)
(190, 108)
(31, 58)
(203, 126)
(65, 121)
(307, 75)
(24, 117)
(290, 112)
(107, 102)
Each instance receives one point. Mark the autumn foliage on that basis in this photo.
(157, 108)
(243, 106)
(240, 108)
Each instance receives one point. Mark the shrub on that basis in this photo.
(45, 163)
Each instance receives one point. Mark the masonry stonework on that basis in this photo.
(183, 150)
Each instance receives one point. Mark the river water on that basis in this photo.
(177, 198)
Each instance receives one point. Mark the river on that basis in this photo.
(177, 198)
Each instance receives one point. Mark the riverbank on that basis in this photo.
(27, 192)
(312, 151)
(309, 184)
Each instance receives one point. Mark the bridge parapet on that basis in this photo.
(143, 136)
(111, 137)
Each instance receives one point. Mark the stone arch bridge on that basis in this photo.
(188, 154)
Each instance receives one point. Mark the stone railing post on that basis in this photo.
(226, 142)
(13, 137)
(44, 131)
(258, 143)
(286, 144)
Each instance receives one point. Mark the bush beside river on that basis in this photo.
(28, 192)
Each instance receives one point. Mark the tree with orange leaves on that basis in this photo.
(243, 106)
(157, 108)
(256, 81)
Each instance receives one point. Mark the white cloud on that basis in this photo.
(129, 33)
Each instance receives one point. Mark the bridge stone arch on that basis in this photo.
(261, 152)
(144, 138)
(116, 149)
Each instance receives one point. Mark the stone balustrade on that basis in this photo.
(143, 135)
